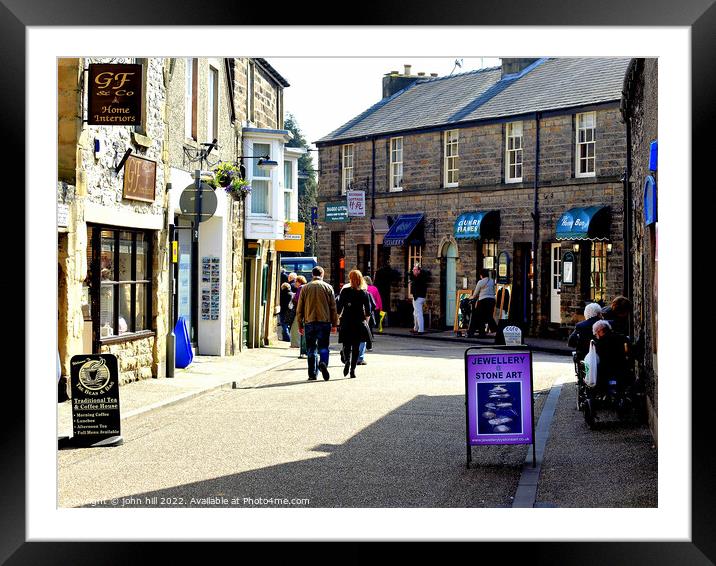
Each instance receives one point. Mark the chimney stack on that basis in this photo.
(433, 74)
(393, 81)
(512, 66)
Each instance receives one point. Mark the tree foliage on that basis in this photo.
(307, 182)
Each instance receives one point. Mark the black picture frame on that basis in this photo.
(699, 15)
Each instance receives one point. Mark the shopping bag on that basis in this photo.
(591, 361)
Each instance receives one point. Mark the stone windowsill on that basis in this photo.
(129, 337)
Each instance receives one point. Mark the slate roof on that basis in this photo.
(548, 84)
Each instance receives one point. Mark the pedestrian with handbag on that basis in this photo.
(354, 310)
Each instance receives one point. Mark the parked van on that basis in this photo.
(300, 265)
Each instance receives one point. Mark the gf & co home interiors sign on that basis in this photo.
(115, 95)
(95, 400)
(140, 177)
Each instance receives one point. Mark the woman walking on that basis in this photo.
(286, 314)
(354, 310)
(298, 340)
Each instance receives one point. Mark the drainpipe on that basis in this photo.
(626, 179)
(535, 232)
(372, 216)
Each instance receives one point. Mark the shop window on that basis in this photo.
(489, 255)
(598, 272)
(120, 280)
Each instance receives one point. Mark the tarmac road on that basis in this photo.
(392, 437)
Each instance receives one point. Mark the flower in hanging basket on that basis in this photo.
(225, 173)
(239, 188)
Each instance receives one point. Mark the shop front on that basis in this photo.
(580, 262)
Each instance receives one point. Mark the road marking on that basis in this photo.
(526, 494)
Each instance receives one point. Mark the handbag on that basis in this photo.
(591, 362)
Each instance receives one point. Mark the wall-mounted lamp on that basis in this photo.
(575, 247)
(267, 164)
(609, 248)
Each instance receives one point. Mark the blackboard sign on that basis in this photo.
(95, 400)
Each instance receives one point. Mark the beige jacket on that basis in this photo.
(317, 303)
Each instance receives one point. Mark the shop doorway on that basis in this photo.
(555, 283)
(521, 305)
(449, 284)
(338, 260)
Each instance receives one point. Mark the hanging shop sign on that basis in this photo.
(503, 268)
(498, 395)
(568, 269)
(355, 203)
(95, 400)
(294, 238)
(115, 95)
(336, 212)
(140, 179)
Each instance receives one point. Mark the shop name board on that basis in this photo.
(468, 226)
(337, 212)
(294, 238)
(140, 179)
(356, 203)
(115, 95)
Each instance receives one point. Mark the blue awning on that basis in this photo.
(476, 225)
(405, 231)
(584, 223)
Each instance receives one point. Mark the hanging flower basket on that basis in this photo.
(239, 188)
(228, 176)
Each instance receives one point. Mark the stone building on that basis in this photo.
(640, 111)
(112, 244)
(478, 170)
(116, 280)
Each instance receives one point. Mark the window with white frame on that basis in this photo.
(212, 117)
(260, 181)
(190, 99)
(513, 152)
(451, 158)
(287, 188)
(347, 167)
(586, 126)
(396, 164)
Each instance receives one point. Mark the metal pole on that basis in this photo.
(171, 337)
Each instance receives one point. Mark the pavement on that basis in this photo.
(547, 345)
(393, 439)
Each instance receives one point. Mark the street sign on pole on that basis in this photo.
(200, 202)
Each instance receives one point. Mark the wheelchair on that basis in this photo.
(621, 394)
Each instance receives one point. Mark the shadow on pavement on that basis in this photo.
(412, 457)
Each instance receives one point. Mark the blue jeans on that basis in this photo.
(361, 351)
(285, 332)
(318, 337)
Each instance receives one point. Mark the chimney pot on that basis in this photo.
(421, 74)
(407, 69)
(433, 74)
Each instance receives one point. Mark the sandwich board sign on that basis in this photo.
(498, 397)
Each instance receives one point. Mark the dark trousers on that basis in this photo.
(351, 353)
(481, 315)
(318, 337)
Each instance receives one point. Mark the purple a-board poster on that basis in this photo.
(499, 397)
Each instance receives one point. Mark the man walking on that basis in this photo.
(317, 318)
(419, 290)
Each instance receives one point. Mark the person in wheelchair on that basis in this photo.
(613, 372)
(583, 331)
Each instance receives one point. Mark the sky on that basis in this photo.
(326, 92)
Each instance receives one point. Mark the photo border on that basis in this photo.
(700, 15)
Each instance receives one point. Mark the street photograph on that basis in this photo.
(365, 283)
